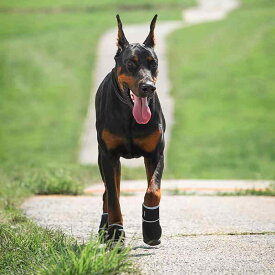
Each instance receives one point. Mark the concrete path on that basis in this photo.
(207, 10)
(201, 234)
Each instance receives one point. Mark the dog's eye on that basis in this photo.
(131, 65)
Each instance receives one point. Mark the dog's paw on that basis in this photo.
(102, 231)
(151, 228)
(115, 236)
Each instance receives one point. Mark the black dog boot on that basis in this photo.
(102, 231)
(151, 228)
(115, 234)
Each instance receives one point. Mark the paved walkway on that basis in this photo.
(207, 10)
(201, 234)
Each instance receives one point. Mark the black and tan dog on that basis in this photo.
(130, 124)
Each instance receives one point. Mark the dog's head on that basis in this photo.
(137, 68)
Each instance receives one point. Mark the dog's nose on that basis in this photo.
(148, 88)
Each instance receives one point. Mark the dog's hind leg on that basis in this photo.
(150, 209)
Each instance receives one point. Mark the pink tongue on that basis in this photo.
(141, 111)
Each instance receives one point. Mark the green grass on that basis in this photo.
(223, 84)
(269, 191)
(103, 4)
(178, 192)
(25, 248)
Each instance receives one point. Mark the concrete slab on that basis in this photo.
(210, 255)
(184, 215)
(212, 250)
(201, 234)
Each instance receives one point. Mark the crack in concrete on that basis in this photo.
(226, 234)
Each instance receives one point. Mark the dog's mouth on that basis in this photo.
(141, 110)
(131, 95)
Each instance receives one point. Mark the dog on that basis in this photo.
(130, 124)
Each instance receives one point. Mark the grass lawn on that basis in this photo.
(45, 79)
(223, 85)
(102, 4)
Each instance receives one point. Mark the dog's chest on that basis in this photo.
(131, 145)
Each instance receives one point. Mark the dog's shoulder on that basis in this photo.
(105, 84)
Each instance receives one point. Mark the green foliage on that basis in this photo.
(270, 191)
(20, 181)
(56, 181)
(25, 248)
(92, 5)
(93, 258)
(179, 192)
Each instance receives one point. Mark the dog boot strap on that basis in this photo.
(150, 214)
(115, 232)
(104, 221)
(151, 228)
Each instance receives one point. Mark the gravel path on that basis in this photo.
(207, 10)
(201, 234)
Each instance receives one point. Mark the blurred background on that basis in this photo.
(222, 76)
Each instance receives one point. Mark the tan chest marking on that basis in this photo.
(150, 142)
(111, 141)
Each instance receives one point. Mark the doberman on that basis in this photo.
(130, 124)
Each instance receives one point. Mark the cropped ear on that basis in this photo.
(150, 40)
(121, 39)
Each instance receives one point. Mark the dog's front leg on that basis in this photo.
(110, 168)
(150, 210)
